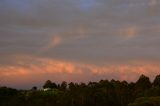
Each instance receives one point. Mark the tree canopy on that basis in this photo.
(103, 93)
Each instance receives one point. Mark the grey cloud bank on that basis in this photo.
(95, 32)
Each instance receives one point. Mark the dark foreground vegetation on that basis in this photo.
(102, 93)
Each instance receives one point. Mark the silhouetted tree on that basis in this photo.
(49, 84)
(34, 88)
(143, 83)
(63, 85)
(156, 81)
(102, 93)
(72, 86)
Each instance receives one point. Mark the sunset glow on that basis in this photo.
(78, 40)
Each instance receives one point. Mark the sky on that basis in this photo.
(78, 40)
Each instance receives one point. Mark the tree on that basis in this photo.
(72, 86)
(63, 85)
(34, 88)
(49, 84)
(146, 101)
(143, 83)
(54, 85)
(156, 81)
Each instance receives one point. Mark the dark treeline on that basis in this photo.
(103, 93)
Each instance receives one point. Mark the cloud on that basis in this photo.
(56, 40)
(153, 3)
(85, 33)
(38, 69)
(129, 32)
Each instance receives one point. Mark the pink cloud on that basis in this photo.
(129, 32)
(56, 40)
(37, 70)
